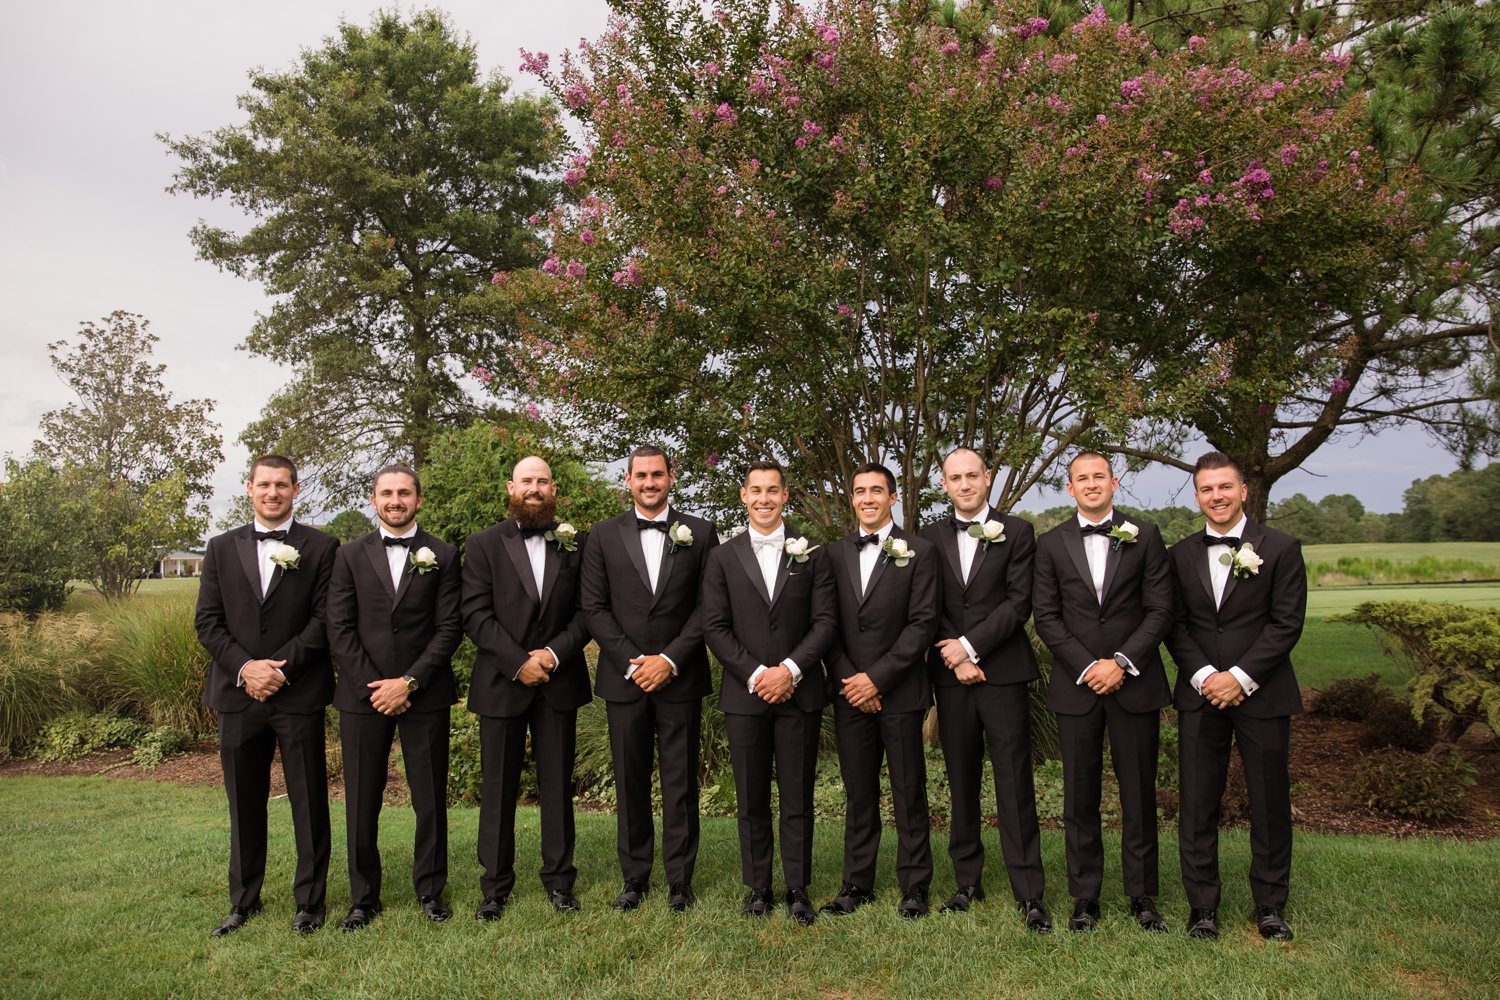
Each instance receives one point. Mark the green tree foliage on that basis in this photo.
(348, 526)
(1333, 520)
(38, 538)
(388, 179)
(134, 465)
(1461, 507)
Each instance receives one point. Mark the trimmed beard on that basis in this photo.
(531, 517)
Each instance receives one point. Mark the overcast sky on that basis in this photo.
(86, 227)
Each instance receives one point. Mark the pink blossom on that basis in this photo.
(1060, 62)
(1196, 42)
(498, 279)
(712, 460)
(836, 143)
(1339, 385)
(576, 96)
(726, 114)
(951, 48)
(630, 276)
(845, 311)
(534, 64)
(993, 184)
(1101, 119)
(1033, 27)
(1095, 17)
(533, 412)
(575, 269)
(1131, 89)
(721, 189)
(801, 142)
(1289, 155)
(1093, 317)
(574, 176)
(711, 69)
(1205, 177)
(587, 236)
(551, 265)
(810, 128)
(482, 375)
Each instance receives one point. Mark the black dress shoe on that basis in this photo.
(1085, 915)
(681, 897)
(359, 916)
(1203, 923)
(1037, 917)
(490, 909)
(799, 907)
(850, 898)
(1273, 927)
(308, 919)
(963, 899)
(563, 901)
(435, 908)
(914, 903)
(760, 903)
(238, 917)
(631, 896)
(1143, 908)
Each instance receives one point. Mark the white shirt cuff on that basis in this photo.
(756, 673)
(1249, 686)
(664, 656)
(239, 678)
(1202, 675)
(1086, 672)
(1124, 661)
(630, 670)
(973, 656)
(556, 660)
(796, 671)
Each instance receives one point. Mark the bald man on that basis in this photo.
(521, 607)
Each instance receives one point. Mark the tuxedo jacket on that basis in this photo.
(378, 630)
(507, 617)
(886, 631)
(748, 628)
(991, 609)
(236, 624)
(1133, 619)
(1254, 627)
(627, 619)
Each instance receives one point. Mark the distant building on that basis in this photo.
(180, 564)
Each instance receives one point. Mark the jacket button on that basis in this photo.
(1221, 628)
(263, 628)
(861, 628)
(773, 628)
(394, 629)
(651, 618)
(966, 605)
(1101, 621)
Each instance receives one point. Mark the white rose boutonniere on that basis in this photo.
(1124, 533)
(566, 537)
(424, 560)
(797, 550)
(1243, 562)
(286, 556)
(897, 549)
(679, 534)
(988, 533)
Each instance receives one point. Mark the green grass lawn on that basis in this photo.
(1485, 552)
(108, 888)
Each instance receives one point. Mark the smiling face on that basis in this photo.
(650, 483)
(271, 494)
(1221, 496)
(396, 501)
(1093, 485)
(967, 483)
(873, 499)
(764, 496)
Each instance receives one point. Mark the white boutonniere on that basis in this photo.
(679, 534)
(1242, 562)
(797, 550)
(1124, 533)
(565, 535)
(988, 532)
(286, 556)
(898, 550)
(424, 560)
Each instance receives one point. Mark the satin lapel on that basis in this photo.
(1253, 533)
(668, 557)
(1113, 553)
(376, 551)
(1073, 540)
(783, 572)
(1200, 559)
(296, 539)
(746, 552)
(515, 547)
(407, 572)
(551, 567)
(244, 544)
(851, 564)
(948, 537)
(630, 536)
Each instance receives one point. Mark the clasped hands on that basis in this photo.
(956, 657)
(1222, 689)
(652, 672)
(538, 668)
(862, 693)
(1104, 676)
(775, 685)
(262, 678)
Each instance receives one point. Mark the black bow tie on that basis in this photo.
(1096, 529)
(405, 541)
(863, 540)
(278, 535)
(533, 532)
(959, 524)
(1233, 541)
(646, 525)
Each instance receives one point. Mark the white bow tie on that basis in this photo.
(764, 542)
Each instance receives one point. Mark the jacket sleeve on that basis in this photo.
(1180, 643)
(598, 615)
(690, 639)
(314, 635)
(575, 635)
(1048, 606)
(477, 604)
(823, 623)
(1288, 610)
(1010, 614)
(718, 625)
(1156, 598)
(212, 623)
(910, 649)
(449, 620)
(355, 665)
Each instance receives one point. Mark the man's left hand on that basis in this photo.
(1105, 677)
(652, 673)
(860, 689)
(953, 652)
(775, 685)
(389, 697)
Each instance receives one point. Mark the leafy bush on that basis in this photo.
(78, 734)
(1390, 723)
(37, 549)
(159, 744)
(1048, 778)
(1350, 698)
(463, 757)
(157, 665)
(1413, 785)
(46, 665)
(348, 526)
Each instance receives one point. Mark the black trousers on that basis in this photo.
(865, 740)
(1134, 739)
(1204, 740)
(783, 740)
(247, 745)
(502, 749)
(969, 717)
(638, 732)
(366, 739)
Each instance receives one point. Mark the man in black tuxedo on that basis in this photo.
(979, 670)
(521, 607)
(641, 577)
(770, 612)
(393, 624)
(1241, 599)
(262, 618)
(888, 617)
(1103, 605)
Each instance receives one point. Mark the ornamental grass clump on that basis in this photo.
(46, 666)
(157, 665)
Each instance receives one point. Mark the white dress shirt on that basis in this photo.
(397, 556)
(654, 545)
(263, 550)
(536, 551)
(968, 545)
(1096, 550)
(869, 555)
(769, 551)
(1218, 573)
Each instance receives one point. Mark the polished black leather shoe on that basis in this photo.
(490, 909)
(563, 901)
(849, 899)
(238, 917)
(681, 897)
(435, 908)
(1037, 917)
(358, 916)
(308, 919)
(1273, 927)
(1085, 915)
(1203, 924)
(799, 907)
(963, 899)
(631, 896)
(914, 903)
(760, 903)
(1143, 908)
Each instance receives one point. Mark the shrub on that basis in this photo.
(463, 757)
(1413, 785)
(45, 666)
(1390, 723)
(79, 734)
(1351, 698)
(159, 744)
(37, 548)
(1048, 778)
(157, 667)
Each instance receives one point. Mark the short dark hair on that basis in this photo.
(398, 468)
(646, 451)
(1216, 460)
(890, 477)
(274, 462)
(764, 466)
(955, 451)
(1090, 453)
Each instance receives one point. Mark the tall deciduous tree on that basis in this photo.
(388, 179)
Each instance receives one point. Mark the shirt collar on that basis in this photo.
(983, 516)
(778, 532)
(1084, 522)
(659, 517)
(1238, 530)
(384, 533)
(256, 524)
(885, 532)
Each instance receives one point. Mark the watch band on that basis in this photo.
(411, 683)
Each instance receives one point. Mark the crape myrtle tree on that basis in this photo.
(872, 232)
(386, 179)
